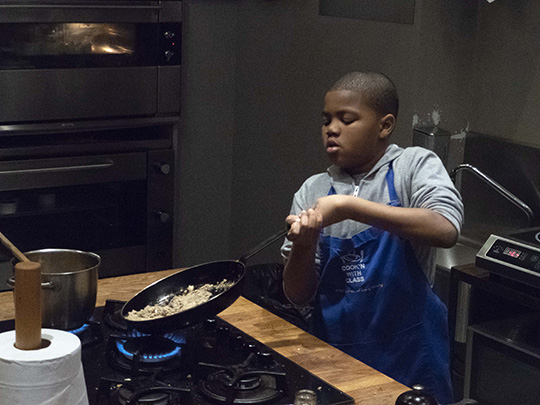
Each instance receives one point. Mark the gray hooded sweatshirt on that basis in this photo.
(420, 179)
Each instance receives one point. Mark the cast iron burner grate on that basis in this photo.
(112, 315)
(143, 391)
(246, 383)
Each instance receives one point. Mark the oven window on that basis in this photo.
(76, 45)
(501, 375)
(83, 217)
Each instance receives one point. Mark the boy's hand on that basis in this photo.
(305, 228)
(330, 208)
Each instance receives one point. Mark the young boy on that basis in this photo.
(360, 247)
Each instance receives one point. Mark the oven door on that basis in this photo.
(63, 60)
(90, 203)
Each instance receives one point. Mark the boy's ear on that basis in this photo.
(388, 123)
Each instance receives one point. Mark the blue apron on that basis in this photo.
(375, 303)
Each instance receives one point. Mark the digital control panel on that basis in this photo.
(510, 258)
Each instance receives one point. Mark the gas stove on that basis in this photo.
(211, 362)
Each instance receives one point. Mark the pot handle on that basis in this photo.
(48, 285)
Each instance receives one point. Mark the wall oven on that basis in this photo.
(64, 60)
(89, 121)
(108, 190)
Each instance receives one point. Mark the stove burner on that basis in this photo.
(243, 383)
(151, 349)
(140, 353)
(80, 330)
(248, 382)
(89, 333)
(127, 396)
(529, 236)
(142, 391)
(261, 390)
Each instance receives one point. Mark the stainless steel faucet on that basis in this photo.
(500, 189)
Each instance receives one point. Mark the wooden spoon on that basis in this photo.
(13, 249)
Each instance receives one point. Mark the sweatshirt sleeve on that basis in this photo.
(430, 185)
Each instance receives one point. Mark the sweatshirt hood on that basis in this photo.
(340, 175)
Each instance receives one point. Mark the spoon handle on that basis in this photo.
(16, 252)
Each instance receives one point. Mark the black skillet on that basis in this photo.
(163, 290)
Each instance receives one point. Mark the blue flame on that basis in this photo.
(177, 338)
(80, 330)
(136, 333)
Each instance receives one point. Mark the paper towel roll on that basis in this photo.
(52, 375)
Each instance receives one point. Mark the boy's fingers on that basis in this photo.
(305, 225)
(291, 219)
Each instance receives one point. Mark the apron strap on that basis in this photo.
(332, 191)
(394, 199)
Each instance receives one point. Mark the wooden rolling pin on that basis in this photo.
(27, 296)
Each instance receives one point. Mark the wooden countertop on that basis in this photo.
(364, 384)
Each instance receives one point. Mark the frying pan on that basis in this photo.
(162, 291)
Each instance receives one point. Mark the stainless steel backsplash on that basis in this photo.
(515, 167)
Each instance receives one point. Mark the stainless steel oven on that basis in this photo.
(77, 59)
(103, 187)
(89, 120)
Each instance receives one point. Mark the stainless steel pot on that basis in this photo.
(69, 286)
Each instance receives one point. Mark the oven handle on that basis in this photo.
(86, 6)
(105, 165)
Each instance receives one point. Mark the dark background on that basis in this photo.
(255, 73)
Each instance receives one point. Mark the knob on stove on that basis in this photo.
(249, 347)
(210, 324)
(223, 333)
(416, 396)
(238, 340)
(265, 358)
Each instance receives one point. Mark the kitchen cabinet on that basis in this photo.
(495, 325)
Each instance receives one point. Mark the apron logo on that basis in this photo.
(353, 265)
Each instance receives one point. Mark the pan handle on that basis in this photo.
(264, 244)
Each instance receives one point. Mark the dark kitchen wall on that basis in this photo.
(207, 135)
(506, 76)
(254, 76)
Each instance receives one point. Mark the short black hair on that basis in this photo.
(378, 91)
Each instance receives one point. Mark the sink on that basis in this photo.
(445, 260)
(455, 256)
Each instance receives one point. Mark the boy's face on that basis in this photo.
(354, 136)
